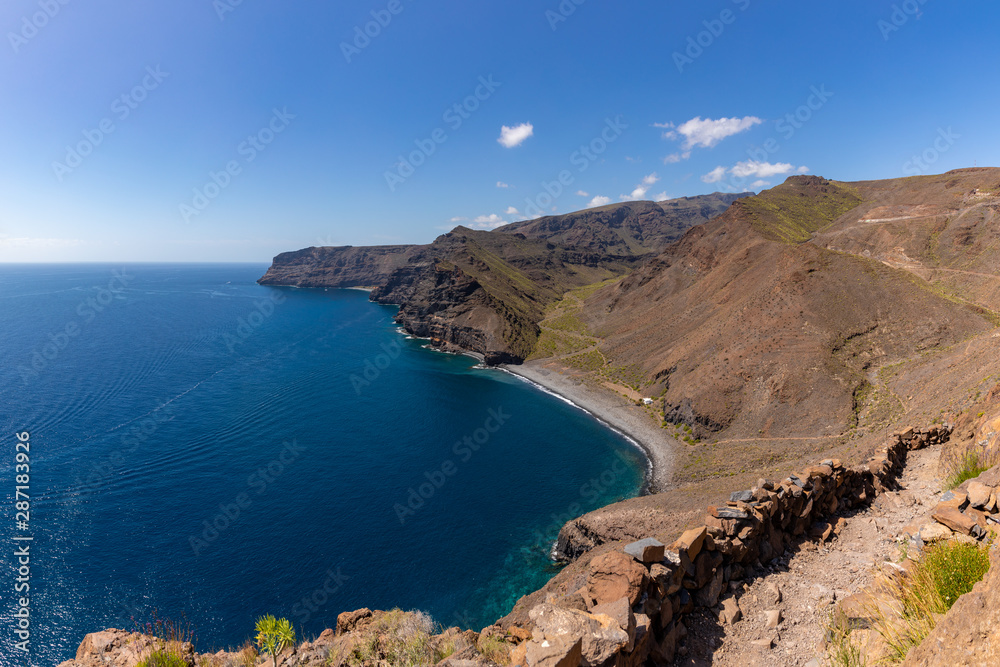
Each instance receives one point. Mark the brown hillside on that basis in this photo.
(773, 319)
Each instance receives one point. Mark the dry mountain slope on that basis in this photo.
(772, 319)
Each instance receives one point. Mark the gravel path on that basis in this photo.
(812, 579)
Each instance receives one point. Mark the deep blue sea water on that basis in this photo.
(211, 449)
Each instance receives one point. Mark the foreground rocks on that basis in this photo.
(363, 638)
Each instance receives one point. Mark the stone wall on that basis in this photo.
(632, 609)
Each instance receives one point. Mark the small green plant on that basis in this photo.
(247, 655)
(969, 467)
(946, 571)
(495, 649)
(163, 658)
(954, 568)
(274, 635)
(843, 650)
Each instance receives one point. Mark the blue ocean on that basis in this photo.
(204, 448)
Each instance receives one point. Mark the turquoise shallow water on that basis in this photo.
(212, 449)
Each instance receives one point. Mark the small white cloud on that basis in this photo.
(641, 189)
(674, 158)
(707, 132)
(802, 170)
(515, 136)
(599, 201)
(459, 219)
(491, 221)
(760, 184)
(512, 211)
(661, 197)
(501, 184)
(581, 193)
(715, 175)
(754, 169)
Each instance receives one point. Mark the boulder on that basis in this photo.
(774, 618)
(348, 620)
(691, 541)
(648, 550)
(559, 652)
(612, 576)
(979, 494)
(621, 611)
(935, 532)
(730, 613)
(955, 520)
(600, 635)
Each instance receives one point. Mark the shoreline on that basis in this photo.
(612, 410)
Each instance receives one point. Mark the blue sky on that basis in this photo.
(228, 130)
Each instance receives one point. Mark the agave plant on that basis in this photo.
(274, 636)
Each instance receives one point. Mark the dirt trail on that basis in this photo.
(812, 579)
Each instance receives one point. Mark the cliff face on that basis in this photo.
(486, 291)
(342, 266)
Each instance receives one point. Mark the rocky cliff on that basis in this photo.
(485, 292)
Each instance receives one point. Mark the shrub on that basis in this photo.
(954, 568)
(495, 649)
(969, 467)
(163, 658)
(946, 571)
(274, 635)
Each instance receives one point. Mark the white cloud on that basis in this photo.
(707, 132)
(599, 201)
(754, 169)
(491, 221)
(674, 158)
(641, 189)
(512, 211)
(458, 219)
(715, 175)
(515, 136)
(661, 197)
(582, 193)
(501, 184)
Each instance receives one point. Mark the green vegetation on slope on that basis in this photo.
(792, 211)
